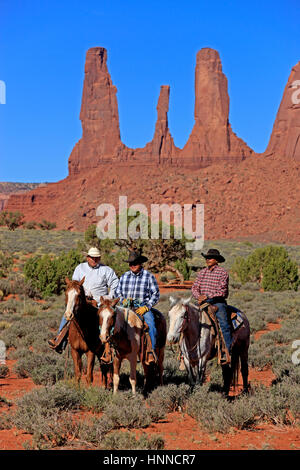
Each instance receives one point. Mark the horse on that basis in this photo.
(195, 333)
(84, 333)
(123, 328)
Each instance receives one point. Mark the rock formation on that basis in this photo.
(211, 138)
(99, 116)
(240, 197)
(285, 137)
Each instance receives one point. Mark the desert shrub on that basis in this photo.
(43, 368)
(216, 414)
(125, 410)
(48, 274)
(12, 220)
(270, 266)
(4, 371)
(31, 225)
(183, 268)
(118, 440)
(47, 374)
(6, 261)
(94, 430)
(273, 404)
(95, 399)
(46, 225)
(169, 398)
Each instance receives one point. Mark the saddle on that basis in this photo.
(221, 348)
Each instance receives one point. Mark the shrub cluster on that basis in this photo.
(47, 274)
(270, 266)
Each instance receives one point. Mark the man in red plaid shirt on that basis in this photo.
(211, 286)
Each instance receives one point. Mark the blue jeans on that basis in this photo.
(149, 319)
(62, 323)
(222, 317)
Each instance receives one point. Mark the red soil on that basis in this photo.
(179, 430)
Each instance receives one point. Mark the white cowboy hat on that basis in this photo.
(94, 253)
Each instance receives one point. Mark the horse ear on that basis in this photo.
(172, 300)
(82, 280)
(186, 301)
(101, 300)
(115, 301)
(67, 281)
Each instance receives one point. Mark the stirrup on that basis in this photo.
(182, 364)
(151, 358)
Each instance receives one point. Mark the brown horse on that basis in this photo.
(84, 332)
(123, 328)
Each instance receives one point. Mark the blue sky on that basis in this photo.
(149, 43)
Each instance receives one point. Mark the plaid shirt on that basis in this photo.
(141, 287)
(211, 282)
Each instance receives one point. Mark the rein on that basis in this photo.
(182, 330)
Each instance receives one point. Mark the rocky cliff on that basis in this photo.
(211, 138)
(244, 194)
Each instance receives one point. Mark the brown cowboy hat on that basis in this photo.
(214, 254)
(136, 257)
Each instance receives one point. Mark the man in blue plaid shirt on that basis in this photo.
(138, 288)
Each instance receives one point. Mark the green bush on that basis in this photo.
(6, 261)
(270, 266)
(47, 274)
(46, 225)
(12, 220)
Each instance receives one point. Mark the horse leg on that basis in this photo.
(161, 366)
(227, 376)
(245, 371)
(90, 367)
(116, 376)
(132, 378)
(76, 356)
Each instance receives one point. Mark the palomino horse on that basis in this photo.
(83, 332)
(194, 332)
(123, 328)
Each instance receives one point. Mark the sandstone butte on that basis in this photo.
(245, 194)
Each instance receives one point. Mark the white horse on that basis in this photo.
(194, 332)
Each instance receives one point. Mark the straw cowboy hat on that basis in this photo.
(136, 257)
(214, 254)
(93, 253)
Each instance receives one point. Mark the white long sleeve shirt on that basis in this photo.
(101, 280)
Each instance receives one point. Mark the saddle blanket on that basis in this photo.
(236, 319)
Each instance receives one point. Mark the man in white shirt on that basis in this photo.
(100, 280)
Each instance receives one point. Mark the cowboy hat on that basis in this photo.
(136, 257)
(214, 254)
(93, 253)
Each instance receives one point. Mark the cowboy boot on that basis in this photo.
(59, 343)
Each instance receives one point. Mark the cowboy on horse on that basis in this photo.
(211, 286)
(98, 279)
(138, 289)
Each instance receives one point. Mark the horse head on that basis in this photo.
(177, 314)
(107, 317)
(75, 296)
